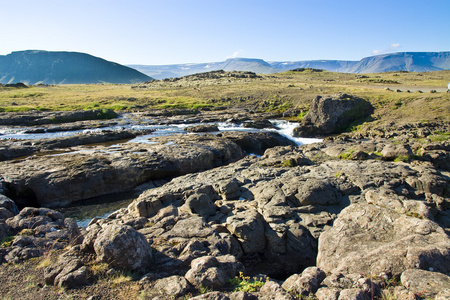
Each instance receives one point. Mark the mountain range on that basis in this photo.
(48, 67)
(401, 61)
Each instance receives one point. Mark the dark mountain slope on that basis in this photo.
(47, 67)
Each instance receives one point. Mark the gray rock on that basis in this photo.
(327, 293)
(4, 230)
(18, 254)
(30, 218)
(174, 286)
(427, 283)
(242, 296)
(123, 247)
(443, 295)
(189, 228)
(352, 294)
(392, 151)
(5, 214)
(199, 204)
(272, 290)
(248, 228)
(212, 272)
(202, 128)
(211, 296)
(258, 142)
(73, 232)
(68, 271)
(306, 283)
(368, 239)
(329, 114)
(73, 279)
(8, 204)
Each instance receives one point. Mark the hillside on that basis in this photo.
(46, 67)
(402, 61)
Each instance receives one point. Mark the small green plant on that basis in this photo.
(403, 158)
(301, 115)
(440, 136)
(289, 163)
(245, 283)
(346, 155)
(204, 289)
(7, 241)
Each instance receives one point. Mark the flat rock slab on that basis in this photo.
(57, 180)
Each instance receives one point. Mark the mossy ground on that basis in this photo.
(396, 96)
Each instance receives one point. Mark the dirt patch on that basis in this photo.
(26, 281)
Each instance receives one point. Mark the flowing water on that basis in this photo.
(86, 210)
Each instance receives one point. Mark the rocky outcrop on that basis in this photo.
(57, 180)
(40, 117)
(335, 224)
(329, 115)
(201, 128)
(426, 283)
(14, 149)
(369, 239)
(35, 231)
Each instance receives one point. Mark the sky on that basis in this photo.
(157, 32)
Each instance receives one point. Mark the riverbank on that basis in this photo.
(222, 205)
(363, 214)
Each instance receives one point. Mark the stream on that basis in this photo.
(84, 211)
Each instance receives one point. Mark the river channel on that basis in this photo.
(84, 211)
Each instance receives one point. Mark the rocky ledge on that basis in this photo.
(343, 219)
(80, 172)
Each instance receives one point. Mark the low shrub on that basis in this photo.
(245, 283)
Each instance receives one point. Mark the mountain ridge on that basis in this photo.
(63, 67)
(399, 61)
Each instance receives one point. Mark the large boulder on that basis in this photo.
(369, 239)
(212, 272)
(306, 283)
(329, 115)
(426, 283)
(248, 227)
(9, 205)
(123, 247)
(173, 286)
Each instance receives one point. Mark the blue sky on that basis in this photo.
(192, 31)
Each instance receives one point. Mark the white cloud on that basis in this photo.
(392, 47)
(235, 54)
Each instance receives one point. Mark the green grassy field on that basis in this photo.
(400, 96)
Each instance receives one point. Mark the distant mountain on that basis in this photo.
(402, 61)
(233, 64)
(48, 67)
(329, 65)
